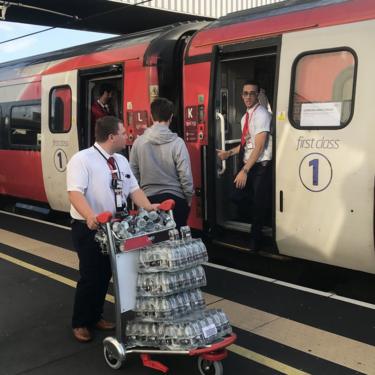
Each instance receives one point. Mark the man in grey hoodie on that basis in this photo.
(160, 161)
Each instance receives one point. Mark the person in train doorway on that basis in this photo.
(91, 174)
(160, 161)
(252, 182)
(101, 106)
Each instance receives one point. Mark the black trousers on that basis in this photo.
(255, 198)
(181, 210)
(95, 274)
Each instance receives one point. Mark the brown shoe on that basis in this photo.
(104, 325)
(82, 334)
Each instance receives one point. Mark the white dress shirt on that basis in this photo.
(260, 121)
(88, 172)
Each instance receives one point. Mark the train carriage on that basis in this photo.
(314, 61)
(45, 104)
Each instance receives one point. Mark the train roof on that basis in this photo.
(279, 18)
(174, 31)
(271, 10)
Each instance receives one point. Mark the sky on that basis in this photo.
(51, 40)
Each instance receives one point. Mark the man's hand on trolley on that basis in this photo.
(152, 207)
(92, 223)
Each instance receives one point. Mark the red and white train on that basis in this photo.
(312, 58)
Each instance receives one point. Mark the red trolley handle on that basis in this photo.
(167, 205)
(106, 216)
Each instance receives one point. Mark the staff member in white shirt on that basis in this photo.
(98, 179)
(253, 181)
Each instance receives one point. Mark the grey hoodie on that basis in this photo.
(160, 161)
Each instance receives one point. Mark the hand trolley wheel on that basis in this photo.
(114, 353)
(207, 367)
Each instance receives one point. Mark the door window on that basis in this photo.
(322, 94)
(60, 105)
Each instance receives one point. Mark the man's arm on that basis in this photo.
(260, 141)
(139, 198)
(183, 167)
(79, 202)
(133, 161)
(223, 155)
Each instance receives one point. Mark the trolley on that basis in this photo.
(124, 265)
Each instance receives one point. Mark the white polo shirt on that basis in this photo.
(260, 122)
(89, 173)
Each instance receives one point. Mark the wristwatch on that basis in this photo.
(245, 170)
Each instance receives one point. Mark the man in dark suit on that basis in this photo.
(100, 107)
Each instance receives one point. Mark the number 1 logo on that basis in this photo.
(315, 164)
(315, 172)
(60, 160)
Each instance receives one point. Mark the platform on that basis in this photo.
(281, 328)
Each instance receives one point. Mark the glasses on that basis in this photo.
(249, 93)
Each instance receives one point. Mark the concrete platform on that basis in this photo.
(281, 329)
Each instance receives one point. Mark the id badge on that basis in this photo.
(116, 184)
(118, 197)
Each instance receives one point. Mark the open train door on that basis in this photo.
(324, 146)
(59, 133)
(230, 222)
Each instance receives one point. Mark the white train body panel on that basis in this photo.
(334, 225)
(58, 148)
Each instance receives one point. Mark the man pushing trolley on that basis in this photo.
(159, 307)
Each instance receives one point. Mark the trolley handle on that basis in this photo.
(104, 217)
(167, 205)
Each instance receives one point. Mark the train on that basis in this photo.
(313, 62)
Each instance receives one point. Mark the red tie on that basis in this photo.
(112, 165)
(245, 130)
(111, 162)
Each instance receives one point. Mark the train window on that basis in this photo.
(322, 94)
(25, 126)
(60, 107)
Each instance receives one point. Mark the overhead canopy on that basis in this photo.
(94, 15)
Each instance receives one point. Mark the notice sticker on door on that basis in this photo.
(320, 114)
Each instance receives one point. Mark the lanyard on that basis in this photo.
(110, 166)
(246, 129)
(116, 183)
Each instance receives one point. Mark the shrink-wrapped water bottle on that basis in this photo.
(209, 330)
(227, 329)
(154, 217)
(196, 300)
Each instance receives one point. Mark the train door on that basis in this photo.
(325, 136)
(237, 65)
(59, 134)
(91, 82)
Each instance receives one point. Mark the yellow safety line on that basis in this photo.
(239, 350)
(51, 275)
(265, 361)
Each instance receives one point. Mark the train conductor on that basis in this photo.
(253, 181)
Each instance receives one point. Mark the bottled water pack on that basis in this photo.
(199, 330)
(173, 255)
(166, 283)
(171, 307)
(143, 223)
